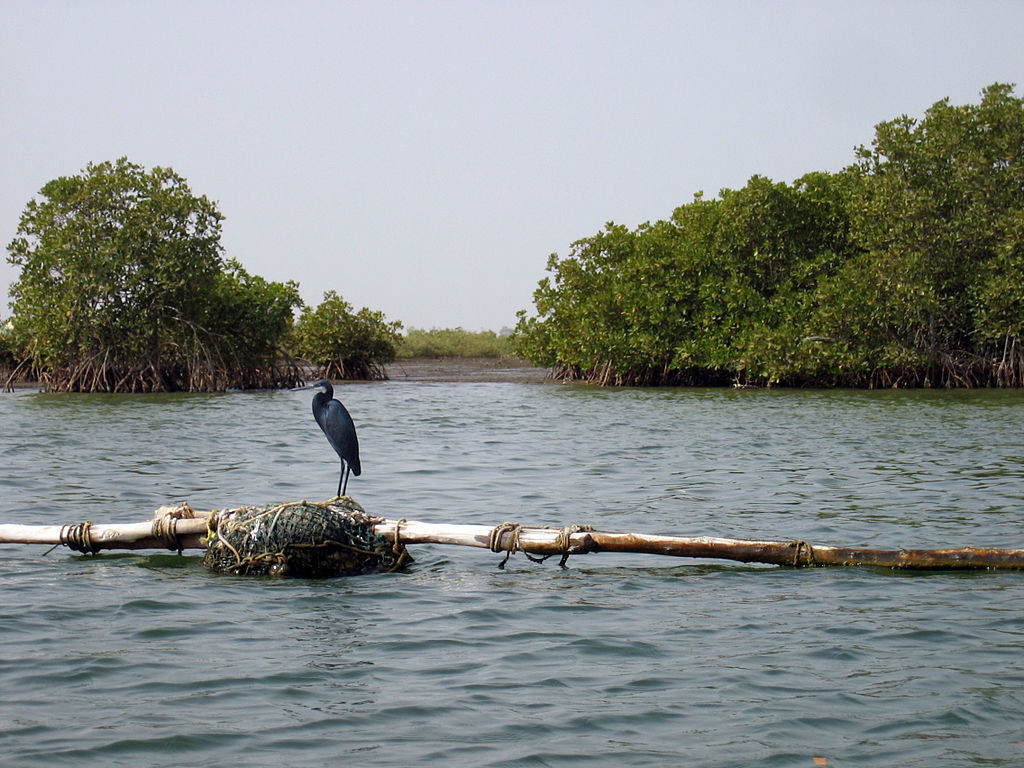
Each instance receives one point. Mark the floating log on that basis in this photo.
(180, 527)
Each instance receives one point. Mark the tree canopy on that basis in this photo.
(345, 344)
(124, 287)
(904, 269)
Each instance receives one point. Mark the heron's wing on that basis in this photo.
(342, 434)
(321, 417)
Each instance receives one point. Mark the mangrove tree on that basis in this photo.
(123, 286)
(904, 269)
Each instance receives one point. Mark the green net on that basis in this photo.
(301, 539)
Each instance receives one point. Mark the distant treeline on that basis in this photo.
(905, 269)
(453, 342)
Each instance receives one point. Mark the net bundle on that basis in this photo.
(302, 539)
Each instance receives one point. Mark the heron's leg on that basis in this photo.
(343, 482)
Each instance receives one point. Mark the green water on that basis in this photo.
(619, 660)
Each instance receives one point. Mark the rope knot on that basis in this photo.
(563, 541)
(78, 538)
(494, 539)
(799, 545)
(166, 530)
(180, 512)
(165, 524)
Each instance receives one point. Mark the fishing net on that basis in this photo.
(301, 539)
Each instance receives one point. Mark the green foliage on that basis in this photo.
(936, 287)
(123, 288)
(9, 356)
(346, 344)
(15, 362)
(251, 318)
(706, 297)
(904, 269)
(452, 342)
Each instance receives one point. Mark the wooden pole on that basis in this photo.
(552, 541)
(188, 533)
(167, 532)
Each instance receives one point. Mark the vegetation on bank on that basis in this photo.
(453, 342)
(904, 269)
(9, 359)
(124, 287)
(344, 344)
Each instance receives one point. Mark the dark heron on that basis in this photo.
(334, 420)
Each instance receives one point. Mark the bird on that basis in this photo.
(337, 425)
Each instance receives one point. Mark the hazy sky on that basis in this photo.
(424, 158)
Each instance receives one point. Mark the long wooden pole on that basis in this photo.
(188, 533)
(552, 541)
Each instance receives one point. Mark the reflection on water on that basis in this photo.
(618, 660)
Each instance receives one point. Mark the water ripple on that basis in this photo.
(617, 661)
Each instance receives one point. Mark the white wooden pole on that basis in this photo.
(169, 532)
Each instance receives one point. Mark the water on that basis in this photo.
(619, 660)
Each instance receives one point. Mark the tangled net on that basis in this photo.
(301, 539)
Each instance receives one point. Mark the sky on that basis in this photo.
(424, 158)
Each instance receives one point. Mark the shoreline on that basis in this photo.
(440, 369)
(465, 369)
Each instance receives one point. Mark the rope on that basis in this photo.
(211, 526)
(304, 538)
(562, 542)
(166, 530)
(798, 545)
(494, 539)
(396, 547)
(77, 537)
(165, 525)
(181, 512)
